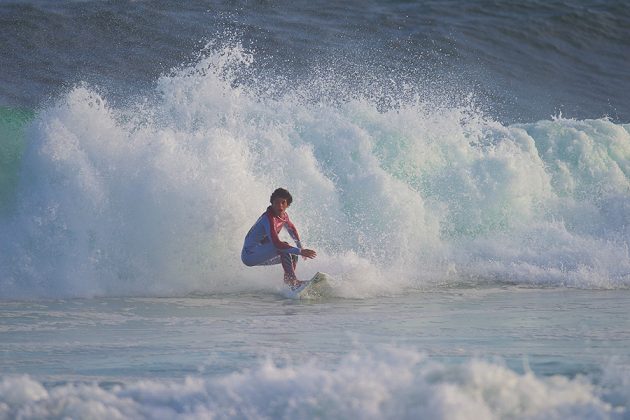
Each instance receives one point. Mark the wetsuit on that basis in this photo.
(263, 246)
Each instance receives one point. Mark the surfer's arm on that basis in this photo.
(304, 252)
(280, 245)
(293, 232)
(308, 253)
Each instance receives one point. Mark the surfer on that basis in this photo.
(263, 246)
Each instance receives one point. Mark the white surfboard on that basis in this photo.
(316, 287)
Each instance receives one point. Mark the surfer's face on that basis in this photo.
(279, 205)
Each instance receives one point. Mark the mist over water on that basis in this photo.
(155, 197)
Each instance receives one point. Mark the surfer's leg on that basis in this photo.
(269, 255)
(260, 255)
(288, 265)
(288, 262)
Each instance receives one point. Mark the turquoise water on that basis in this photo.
(12, 145)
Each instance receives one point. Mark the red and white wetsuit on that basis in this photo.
(263, 246)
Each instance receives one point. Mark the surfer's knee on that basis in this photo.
(248, 262)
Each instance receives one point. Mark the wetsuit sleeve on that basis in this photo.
(280, 245)
(293, 232)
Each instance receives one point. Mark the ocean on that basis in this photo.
(462, 169)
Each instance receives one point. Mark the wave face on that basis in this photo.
(396, 383)
(154, 197)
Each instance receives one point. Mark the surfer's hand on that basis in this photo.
(308, 253)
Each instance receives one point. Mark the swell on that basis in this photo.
(526, 60)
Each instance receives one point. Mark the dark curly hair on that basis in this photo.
(281, 193)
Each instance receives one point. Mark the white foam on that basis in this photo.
(155, 198)
(387, 383)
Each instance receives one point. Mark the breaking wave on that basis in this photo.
(155, 196)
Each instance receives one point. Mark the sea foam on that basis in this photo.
(385, 383)
(155, 196)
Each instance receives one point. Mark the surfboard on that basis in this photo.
(314, 288)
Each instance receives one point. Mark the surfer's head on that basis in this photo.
(281, 193)
(280, 200)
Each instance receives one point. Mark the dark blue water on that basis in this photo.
(522, 61)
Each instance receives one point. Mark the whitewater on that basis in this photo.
(155, 197)
(479, 263)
